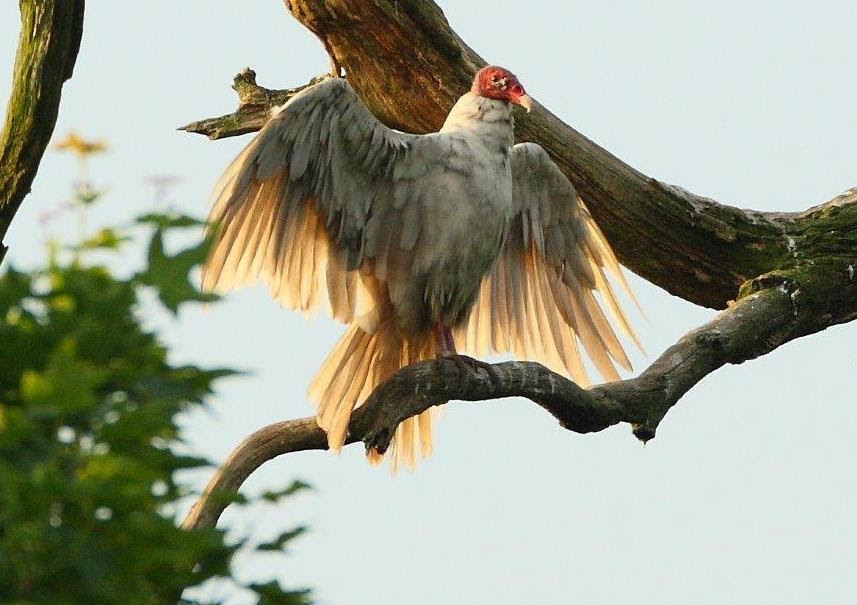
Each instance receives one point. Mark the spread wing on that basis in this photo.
(539, 302)
(322, 189)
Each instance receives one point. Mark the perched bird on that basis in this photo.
(417, 242)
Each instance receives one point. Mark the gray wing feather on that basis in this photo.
(539, 300)
(324, 189)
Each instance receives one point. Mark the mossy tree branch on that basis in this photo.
(775, 313)
(47, 50)
(780, 276)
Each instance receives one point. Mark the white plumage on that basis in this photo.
(408, 237)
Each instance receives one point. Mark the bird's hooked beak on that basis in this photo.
(525, 101)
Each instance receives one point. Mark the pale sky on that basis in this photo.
(748, 493)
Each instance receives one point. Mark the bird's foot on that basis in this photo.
(468, 364)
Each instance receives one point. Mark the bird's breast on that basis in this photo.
(466, 221)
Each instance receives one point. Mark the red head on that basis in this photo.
(496, 82)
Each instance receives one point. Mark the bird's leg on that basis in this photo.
(444, 340)
(465, 363)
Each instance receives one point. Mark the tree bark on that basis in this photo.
(409, 67)
(47, 50)
(779, 276)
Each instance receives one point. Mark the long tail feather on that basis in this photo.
(360, 362)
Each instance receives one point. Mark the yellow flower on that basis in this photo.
(79, 146)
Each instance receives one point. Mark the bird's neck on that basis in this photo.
(488, 119)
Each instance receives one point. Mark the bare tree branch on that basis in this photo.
(254, 107)
(47, 51)
(792, 274)
(754, 326)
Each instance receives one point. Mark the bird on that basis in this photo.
(423, 245)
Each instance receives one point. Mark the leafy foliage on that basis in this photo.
(168, 274)
(88, 401)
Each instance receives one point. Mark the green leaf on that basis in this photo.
(278, 544)
(67, 384)
(170, 275)
(14, 286)
(169, 220)
(273, 594)
(107, 239)
(277, 495)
